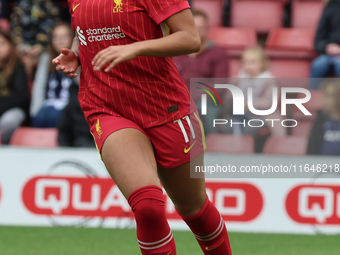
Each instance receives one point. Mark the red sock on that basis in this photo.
(153, 231)
(209, 230)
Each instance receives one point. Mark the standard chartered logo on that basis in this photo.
(81, 36)
(100, 34)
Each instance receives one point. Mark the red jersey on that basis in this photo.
(147, 90)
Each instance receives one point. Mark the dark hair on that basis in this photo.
(52, 52)
(8, 68)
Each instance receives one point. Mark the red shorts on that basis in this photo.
(174, 143)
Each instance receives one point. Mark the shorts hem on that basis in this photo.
(180, 162)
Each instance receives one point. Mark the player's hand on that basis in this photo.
(67, 62)
(114, 55)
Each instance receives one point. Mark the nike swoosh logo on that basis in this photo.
(75, 7)
(186, 150)
(210, 249)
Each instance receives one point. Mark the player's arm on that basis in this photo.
(75, 45)
(183, 40)
(68, 60)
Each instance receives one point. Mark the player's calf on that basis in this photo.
(209, 230)
(153, 232)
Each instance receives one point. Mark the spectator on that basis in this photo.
(14, 97)
(210, 62)
(255, 74)
(73, 128)
(3, 9)
(32, 22)
(50, 92)
(327, 44)
(324, 138)
(4, 23)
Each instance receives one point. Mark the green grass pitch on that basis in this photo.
(74, 241)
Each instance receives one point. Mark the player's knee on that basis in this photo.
(191, 208)
(147, 203)
(149, 210)
(188, 210)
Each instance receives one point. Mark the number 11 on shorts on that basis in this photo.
(181, 126)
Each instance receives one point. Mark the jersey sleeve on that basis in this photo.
(72, 4)
(160, 10)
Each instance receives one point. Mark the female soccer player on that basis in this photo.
(141, 114)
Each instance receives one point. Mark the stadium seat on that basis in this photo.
(230, 144)
(35, 137)
(313, 105)
(290, 68)
(286, 145)
(306, 14)
(291, 52)
(213, 8)
(302, 129)
(234, 66)
(291, 43)
(235, 40)
(261, 15)
(294, 82)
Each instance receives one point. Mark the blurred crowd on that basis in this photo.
(33, 94)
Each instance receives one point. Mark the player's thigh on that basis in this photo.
(188, 194)
(129, 158)
(179, 145)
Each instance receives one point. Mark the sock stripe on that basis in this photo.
(213, 235)
(207, 236)
(156, 245)
(153, 243)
